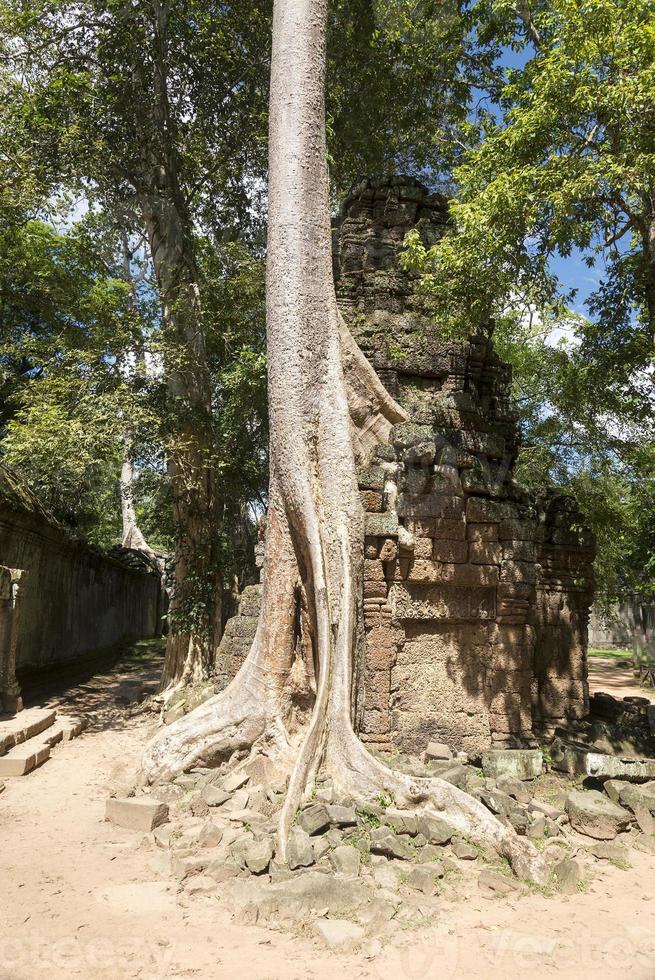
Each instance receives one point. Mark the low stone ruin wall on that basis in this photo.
(62, 599)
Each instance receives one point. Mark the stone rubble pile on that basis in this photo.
(355, 871)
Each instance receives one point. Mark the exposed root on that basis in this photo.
(361, 776)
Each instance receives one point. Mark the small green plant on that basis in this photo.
(385, 800)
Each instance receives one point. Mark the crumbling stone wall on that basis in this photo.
(73, 599)
(476, 594)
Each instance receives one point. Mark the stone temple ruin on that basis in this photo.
(476, 591)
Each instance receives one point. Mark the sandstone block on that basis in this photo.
(438, 750)
(592, 814)
(314, 819)
(346, 860)
(136, 813)
(258, 855)
(519, 763)
(300, 853)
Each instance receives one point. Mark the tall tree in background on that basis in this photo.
(320, 386)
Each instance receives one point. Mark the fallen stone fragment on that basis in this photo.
(593, 814)
(613, 788)
(537, 828)
(214, 795)
(497, 801)
(568, 876)
(402, 821)
(384, 841)
(463, 850)
(136, 813)
(338, 933)
(235, 780)
(258, 855)
(423, 879)
(604, 851)
(438, 750)
(320, 847)
(162, 836)
(578, 760)
(346, 860)
(342, 816)
(299, 849)
(515, 788)
(434, 830)
(210, 834)
(638, 797)
(491, 883)
(519, 821)
(520, 763)
(539, 806)
(314, 819)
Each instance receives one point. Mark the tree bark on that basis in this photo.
(195, 611)
(315, 533)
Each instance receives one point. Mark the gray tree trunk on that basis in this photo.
(312, 594)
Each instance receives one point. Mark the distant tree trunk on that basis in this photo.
(312, 593)
(132, 535)
(196, 601)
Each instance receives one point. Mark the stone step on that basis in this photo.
(15, 729)
(24, 758)
(27, 755)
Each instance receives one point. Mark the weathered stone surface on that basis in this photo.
(25, 725)
(25, 757)
(438, 750)
(342, 816)
(346, 860)
(314, 819)
(491, 883)
(578, 760)
(258, 855)
(214, 795)
(519, 763)
(423, 879)
(136, 812)
(299, 851)
(339, 933)
(463, 850)
(434, 830)
(638, 796)
(568, 876)
(593, 814)
(384, 841)
(235, 780)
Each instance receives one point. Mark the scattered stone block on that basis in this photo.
(346, 860)
(342, 816)
(423, 879)
(638, 797)
(314, 818)
(338, 933)
(23, 726)
(136, 813)
(515, 788)
(438, 750)
(593, 814)
(463, 850)
(299, 849)
(235, 780)
(320, 847)
(540, 806)
(604, 851)
(214, 795)
(523, 764)
(578, 760)
(258, 855)
(210, 834)
(162, 836)
(493, 884)
(384, 841)
(434, 830)
(568, 876)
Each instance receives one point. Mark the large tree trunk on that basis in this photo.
(312, 594)
(195, 611)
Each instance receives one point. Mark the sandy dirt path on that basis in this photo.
(616, 677)
(80, 898)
